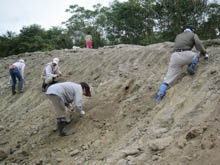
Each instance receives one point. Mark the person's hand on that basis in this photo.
(69, 110)
(58, 75)
(206, 57)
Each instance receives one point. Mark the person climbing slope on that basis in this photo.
(181, 56)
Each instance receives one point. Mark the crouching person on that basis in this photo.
(62, 95)
(50, 74)
(16, 70)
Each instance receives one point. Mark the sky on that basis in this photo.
(15, 14)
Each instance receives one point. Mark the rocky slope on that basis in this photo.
(123, 124)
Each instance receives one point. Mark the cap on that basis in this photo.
(56, 60)
(21, 60)
(191, 27)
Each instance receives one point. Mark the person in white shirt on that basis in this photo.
(62, 95)
(50, 74)
(16, 70)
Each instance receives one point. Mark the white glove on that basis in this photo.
(82, 113)
(206, 57)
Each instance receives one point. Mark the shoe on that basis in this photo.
(20, 86)
(44, 86)
(162, 91)
(13, 90)
(61, 124)
(190, 70)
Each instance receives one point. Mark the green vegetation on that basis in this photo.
(139, 22)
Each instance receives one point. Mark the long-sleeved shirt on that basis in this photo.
(20, 67)
(69, 92)
(52, 71)
(187, 40)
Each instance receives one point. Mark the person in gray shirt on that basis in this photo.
(181, 56)
(62, 95)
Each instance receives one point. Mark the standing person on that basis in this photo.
(16, 70)
(88, 39)
(181, 56)
(62, 95)
(50, 74)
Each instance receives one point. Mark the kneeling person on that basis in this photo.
(62, 95)
(50, 74)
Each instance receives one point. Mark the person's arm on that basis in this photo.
(49, 71)
(78, 100)
(199, 45)
(58, 71)
(22, 70)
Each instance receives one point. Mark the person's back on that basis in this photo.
(187, 40)
(67, 91)
(184, 41)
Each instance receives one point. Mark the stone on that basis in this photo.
(122, 162)
(75, 152)
(181, 143)
(131, 152)
(160, 144)
(1, 128)
(194, 132)
(155, 157)
(3, 155)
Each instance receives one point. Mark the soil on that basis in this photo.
(123, 124)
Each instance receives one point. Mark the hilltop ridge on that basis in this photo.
(123, 124)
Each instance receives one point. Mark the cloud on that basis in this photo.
(18, 13)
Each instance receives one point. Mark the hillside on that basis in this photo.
(123, 124)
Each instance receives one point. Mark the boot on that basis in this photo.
(13, 90)
(62, 123)
(54, 81)
(44, 86)
(162, 91)
(20, 86)
(192, 67)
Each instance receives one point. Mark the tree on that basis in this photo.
(129, 23)
(173, 15)
(211, 25)
(83, 22)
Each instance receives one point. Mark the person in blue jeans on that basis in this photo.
(16, 70)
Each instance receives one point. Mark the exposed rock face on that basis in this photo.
(122, 125)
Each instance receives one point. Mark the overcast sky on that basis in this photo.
(14, 14)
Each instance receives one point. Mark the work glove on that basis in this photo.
(206, 57)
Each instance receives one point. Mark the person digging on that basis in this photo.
(64, 94)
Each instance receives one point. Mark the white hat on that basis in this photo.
(56, 60)
(21, 60)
